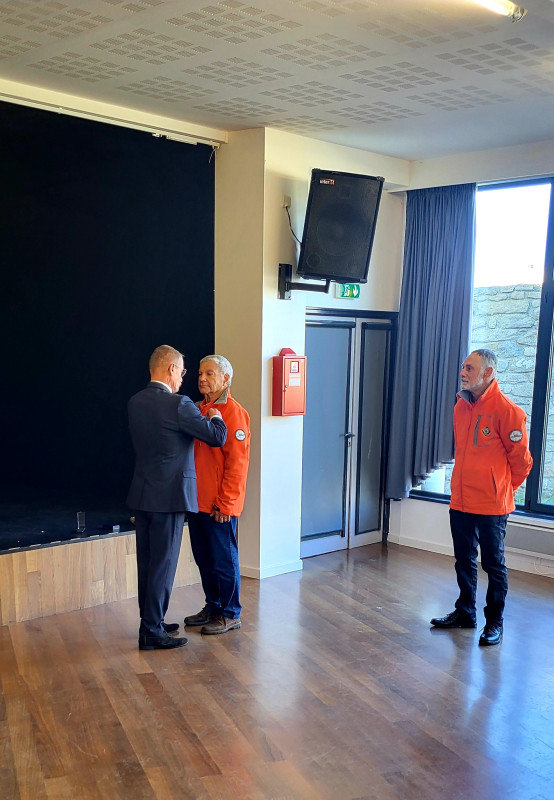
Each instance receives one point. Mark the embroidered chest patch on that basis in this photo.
(486, 430)
(516, 436)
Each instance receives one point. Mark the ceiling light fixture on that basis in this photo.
(504, 7)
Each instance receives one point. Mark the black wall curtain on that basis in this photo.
(106, 237)
(433, 332)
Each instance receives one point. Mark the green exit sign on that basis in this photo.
(351, 290)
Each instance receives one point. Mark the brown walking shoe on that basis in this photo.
(220, 624)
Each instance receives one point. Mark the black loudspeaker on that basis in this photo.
(339, 226)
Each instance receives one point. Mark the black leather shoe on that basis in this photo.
(170, 627)
(163, 642)
(491, 634)
(202, 618)
(456, 619)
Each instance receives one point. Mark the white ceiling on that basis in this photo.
(407, 78)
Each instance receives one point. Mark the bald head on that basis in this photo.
(167, 365)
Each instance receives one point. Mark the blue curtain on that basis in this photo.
(433, 332)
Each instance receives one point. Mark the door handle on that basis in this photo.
(349, 435)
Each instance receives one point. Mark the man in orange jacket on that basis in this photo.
(491, 461)
(221, 480)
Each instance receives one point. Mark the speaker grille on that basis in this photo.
(339, 226)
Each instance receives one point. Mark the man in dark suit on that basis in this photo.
(163, 427)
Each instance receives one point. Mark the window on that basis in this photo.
(512, 315)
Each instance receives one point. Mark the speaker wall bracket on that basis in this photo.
(286, 284)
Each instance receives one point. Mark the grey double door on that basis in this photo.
(344, 443)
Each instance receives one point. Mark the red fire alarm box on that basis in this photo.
(289, 384)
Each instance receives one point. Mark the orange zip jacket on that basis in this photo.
(492, 456)
(221, 471)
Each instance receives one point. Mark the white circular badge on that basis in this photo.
(516, 436)
(240, 435)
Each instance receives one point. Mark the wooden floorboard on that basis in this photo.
(335, 688)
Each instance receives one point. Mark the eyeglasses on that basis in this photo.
(183, 370)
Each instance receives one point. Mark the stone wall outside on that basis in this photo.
(506, 320)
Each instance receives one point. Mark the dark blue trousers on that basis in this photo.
(486, 531)
(215, 550)
(158, 544)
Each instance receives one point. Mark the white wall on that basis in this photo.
(239, 224)
(289, 162)
(425, 525)
(485, 166)
(269, 530)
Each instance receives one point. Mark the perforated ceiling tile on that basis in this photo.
(333, 9)
(136, 6)
(237, 72)
(323, 51)
(239, 108)
(396, 77)
(536, 84)
(143, 44)
(167, 90)
(373, 113)
(24, 11)
(233, 21)
(300, 64)
(14, 46)
(491, 58)
(83, 68)
(302, 124)
(52, 18)
(427, 28)
(311, 94)
(456, 99)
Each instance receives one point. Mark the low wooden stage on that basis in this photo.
(81, 573)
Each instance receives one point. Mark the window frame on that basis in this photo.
(543, 373)
(544, 360)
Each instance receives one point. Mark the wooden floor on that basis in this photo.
(335, 688)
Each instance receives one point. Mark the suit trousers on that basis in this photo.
(158, 536)
(215, 550)
(487, 531)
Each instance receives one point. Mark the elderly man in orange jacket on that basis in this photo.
(491, 461)
(221, 479)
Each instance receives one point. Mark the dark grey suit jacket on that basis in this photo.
(163, 427)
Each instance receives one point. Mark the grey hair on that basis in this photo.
(489, 359)
(223, 365)
(162, 355)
